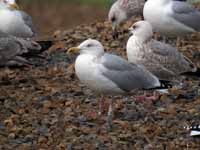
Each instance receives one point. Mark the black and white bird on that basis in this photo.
(194, 130)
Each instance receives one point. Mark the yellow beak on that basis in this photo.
(73, 50)
(14, 6)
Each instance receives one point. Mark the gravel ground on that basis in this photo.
(46, 107)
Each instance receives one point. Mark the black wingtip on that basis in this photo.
(45, 45)
(192, 74)
(164, 85)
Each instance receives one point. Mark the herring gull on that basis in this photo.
(161, 59)
(15, 22)
(108, 74)
(122, 10)
(172, 18)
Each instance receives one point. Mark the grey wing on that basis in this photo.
(169, 58)
(28, 21)
(127, 76)
(186, 14)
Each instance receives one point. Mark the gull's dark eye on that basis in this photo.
(113, 19)
(89, 45)
(134, 27)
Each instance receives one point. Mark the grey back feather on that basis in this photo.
(168, 58)
(186, 14)
(28, 21)
(127, 76)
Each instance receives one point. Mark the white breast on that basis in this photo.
(12, 23)
(133, 50)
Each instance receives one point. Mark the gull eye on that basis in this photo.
(113, 19)
(134, 27)
(89, 45)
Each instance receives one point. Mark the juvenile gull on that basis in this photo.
(161, 59)
(13, 50)
(108, 74)
(122, 10)
(15, 22)
(172, 18)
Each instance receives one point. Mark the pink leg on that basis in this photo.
(146, 97)
(110, 117)
(101, 106)
(94, 114)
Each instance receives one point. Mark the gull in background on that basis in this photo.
(172, 18)
(108, 74)
(14, 21)
(161, 59)
(13, 50)
(122, 10)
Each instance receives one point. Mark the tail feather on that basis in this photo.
(192, 74)
(164, 85)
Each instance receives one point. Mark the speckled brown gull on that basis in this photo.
(163, 60)
(122, 10)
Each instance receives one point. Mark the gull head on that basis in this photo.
(89, 46)
(10, 4)
(116, 15)
(142, 29)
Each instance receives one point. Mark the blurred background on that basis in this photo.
(51, 15)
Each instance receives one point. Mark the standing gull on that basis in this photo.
(122, 10)
(15, 22)
(109, 74)
(172, 18)
(161, 59)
